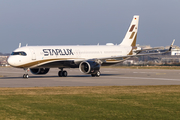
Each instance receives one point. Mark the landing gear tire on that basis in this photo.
(62, 74)
(93, 75)
(97, 74)
(26, 73)
(25, 76)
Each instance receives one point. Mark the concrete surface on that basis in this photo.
(12, 77)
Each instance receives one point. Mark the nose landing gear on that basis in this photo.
(25, 76)
(26, 73)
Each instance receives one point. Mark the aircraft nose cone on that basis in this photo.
(10, 61)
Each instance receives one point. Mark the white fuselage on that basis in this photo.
(39, 55)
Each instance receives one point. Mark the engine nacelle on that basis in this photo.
(39, 70)
(89, 67)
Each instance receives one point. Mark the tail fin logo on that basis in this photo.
(131, 34)
(132, 28)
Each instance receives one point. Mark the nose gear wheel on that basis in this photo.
(25, 76)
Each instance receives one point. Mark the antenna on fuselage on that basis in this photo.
(19, 45)
(26, 45)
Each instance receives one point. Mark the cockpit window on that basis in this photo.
(19, 53)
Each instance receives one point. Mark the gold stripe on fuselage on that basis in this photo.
(36, 63)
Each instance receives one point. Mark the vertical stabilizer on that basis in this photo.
(131, 35)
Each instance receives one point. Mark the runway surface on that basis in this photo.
(12, 77)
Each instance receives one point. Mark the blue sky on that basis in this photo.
(72, 22)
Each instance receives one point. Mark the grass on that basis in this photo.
(56, 103)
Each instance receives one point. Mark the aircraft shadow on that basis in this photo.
(29, 77)
(6, 77)
(90, 75)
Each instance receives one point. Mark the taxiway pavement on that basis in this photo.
(12, 77)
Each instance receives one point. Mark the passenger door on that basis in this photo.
(33, 54)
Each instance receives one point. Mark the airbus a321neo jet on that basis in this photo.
(88, 58)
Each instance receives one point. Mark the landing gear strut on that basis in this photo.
(62, 73)
(97, 74)
(26, 73)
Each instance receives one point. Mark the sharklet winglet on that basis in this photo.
(171, 45)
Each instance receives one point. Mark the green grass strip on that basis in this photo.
(87, 103)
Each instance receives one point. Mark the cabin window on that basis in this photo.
(19, 53)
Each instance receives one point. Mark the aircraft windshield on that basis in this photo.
(19, 53)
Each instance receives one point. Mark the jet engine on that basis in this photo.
(89, 67)
(39, 70)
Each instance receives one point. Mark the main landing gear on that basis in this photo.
(97, 74)
(26, 73)
(62, 73)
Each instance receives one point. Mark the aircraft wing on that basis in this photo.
(156, 51)
(155, 48)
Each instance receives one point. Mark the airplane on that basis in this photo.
(88, 58)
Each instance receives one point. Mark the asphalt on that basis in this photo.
(12, 78)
